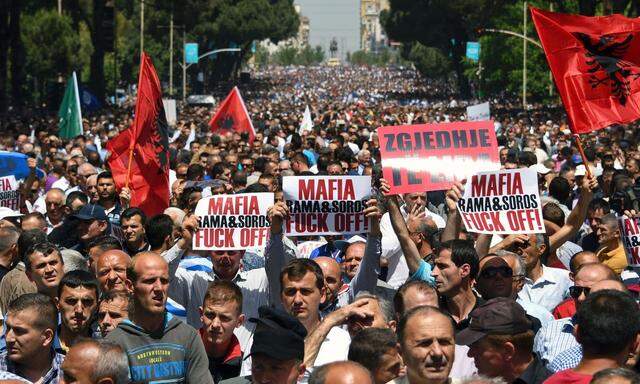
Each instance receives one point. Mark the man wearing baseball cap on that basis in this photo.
(93, 222)
(277, 353)
(500, 342)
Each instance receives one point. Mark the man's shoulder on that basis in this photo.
(237, 380)
(555, 274)
(338, 335)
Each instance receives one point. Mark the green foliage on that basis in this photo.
(293, 56)
(51, 46)
(429, 60)
(382, 58)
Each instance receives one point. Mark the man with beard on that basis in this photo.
(108, 197)
(77, 302)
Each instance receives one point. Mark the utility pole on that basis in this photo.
(141, 27)
(59, 7)
(524, 56)
(184, 65)
(171, 54)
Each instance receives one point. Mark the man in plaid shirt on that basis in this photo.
(30, 325)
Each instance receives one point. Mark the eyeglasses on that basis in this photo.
(492, 272)
(575, 291)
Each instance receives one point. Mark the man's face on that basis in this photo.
(266, 370)
(503, 155)
(54, 201)
(46, 270)
(584, 280)
(412, 199)
(226, 263)
(219, 319)
(133, 229)
(607, 234)
(106, 188)
(488, 358)
(529, 251)
(24, 341)
(111, 313)
(77, 307)
(352, 259)
(447, 274)
(302, 298)
(495, 278)
(92, 188)
(389, 366)
(76, 363)
(595, 218)
(428, 348)
(334, 170)
(151, 286)
(332, 277)
(571, 178)
(91, 229)
(111, 271)
(414, 297)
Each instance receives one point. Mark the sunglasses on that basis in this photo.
(492, 272)
(576, 291)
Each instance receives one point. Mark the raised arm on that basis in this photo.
(366, 277)
(577, 216)
(454, 221)
(275, 256)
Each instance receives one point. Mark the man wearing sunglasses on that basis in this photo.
(557, 336)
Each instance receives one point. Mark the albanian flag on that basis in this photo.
(595, 62)
(147, 171)
(232, 116)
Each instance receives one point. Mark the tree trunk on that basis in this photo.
(456, 57)
(17, 53)
(96, 77)
(4, 50)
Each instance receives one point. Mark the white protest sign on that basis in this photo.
(479, 112)
(170, 111)
(232, 222)
(9, 193)
(326, 205)
(630, 236)
(502, 202)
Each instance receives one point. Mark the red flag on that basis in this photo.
(147, 171)
(232, 116)
(595, 62)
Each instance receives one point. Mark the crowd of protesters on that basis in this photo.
(94, 291)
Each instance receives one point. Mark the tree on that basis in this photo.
(51, 45)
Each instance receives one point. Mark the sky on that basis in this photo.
(333, 18)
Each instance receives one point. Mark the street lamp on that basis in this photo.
(184, 65)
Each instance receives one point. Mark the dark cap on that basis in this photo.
(499, 316)
(92, 212)
(278, 335)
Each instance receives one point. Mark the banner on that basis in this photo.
(479, 112)
(9, 193)
(15, 163)
(502, 202)
(69, 114)
(170, 111)
(429, 157)
(630, 236)
(232, 222)
(326, 205)
(473, 50)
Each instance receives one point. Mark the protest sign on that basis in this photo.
(170, 111)
(326, 205)
(232, 222)
(502, 202)
(479, 112)
(630, 236)
(429, 157)
(9, 193)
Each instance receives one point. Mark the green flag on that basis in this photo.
(70, 123)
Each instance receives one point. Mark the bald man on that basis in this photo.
(570, 358)
(54, 201)
(341, 372)
(95, 361)
(184, 358)
(111, 271)
(556, 336)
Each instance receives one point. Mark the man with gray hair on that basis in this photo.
(95, 361)
(8, 249)
(611, 252)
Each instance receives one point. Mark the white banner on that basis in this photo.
(170, 111)
(479, 112)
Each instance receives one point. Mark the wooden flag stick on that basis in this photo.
(584, 158)
(126, 183)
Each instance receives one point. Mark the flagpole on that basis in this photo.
(584, 158)
(137, 114)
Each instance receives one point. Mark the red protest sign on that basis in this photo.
(429, 157)
(230, 222)
(9, 193)
(326, 205)
(630, 232)
(502, 202)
